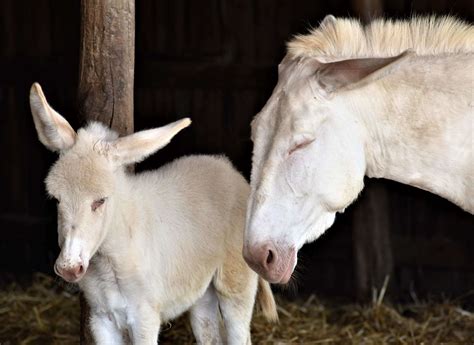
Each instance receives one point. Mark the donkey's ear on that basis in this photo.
(53, 130)
(350, 74)
(328, 21)
(136, 147)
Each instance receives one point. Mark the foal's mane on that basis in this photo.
(344, 38)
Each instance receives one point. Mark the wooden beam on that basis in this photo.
(373, 259)
(106, 70)
(106, 63)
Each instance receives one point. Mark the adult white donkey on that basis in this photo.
(392, 100)
(146, 247)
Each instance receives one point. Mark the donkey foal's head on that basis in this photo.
(85, 180)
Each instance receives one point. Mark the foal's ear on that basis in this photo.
(53, 130)
(136, 147)
(350, 74)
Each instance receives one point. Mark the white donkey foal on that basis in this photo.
(145, 248)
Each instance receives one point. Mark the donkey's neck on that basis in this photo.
(420, 135)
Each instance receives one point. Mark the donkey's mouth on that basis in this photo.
(286, 276)
(288, 267)
(272, 263)
(71, 274)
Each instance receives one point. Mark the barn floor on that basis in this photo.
(47, 312)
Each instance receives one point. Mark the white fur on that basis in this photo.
(408, 118)
(163, 242)
(343, 38)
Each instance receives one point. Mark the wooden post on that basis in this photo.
(372, 247)
(106, 71)
(106, 64)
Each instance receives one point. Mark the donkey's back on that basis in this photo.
(201, 195)
(209, 181)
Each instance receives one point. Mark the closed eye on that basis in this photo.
(97, 203)
(300, 146)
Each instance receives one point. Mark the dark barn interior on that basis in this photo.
(216, 62)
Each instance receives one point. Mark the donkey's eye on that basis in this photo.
(300, 146)
(97, 203)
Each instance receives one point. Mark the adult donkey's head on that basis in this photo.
(309, 157)
(88, 178)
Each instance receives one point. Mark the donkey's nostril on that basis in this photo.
(80, 270)
(270, 257)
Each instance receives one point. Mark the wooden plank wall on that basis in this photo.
(214, 61)
(38, 41)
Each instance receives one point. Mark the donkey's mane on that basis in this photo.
(344, 38)
(98, 131)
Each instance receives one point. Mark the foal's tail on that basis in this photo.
(266, 300)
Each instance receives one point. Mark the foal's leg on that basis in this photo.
(205, 318)
(104, 330)
(236, 289)
(144, 326)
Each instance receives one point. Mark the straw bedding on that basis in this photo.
(47, 312)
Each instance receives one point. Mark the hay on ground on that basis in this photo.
(48, 313)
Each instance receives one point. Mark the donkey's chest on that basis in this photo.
(108, 297)
(169, 293)
(115, 307)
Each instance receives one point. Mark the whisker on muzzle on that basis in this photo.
(291, 288)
